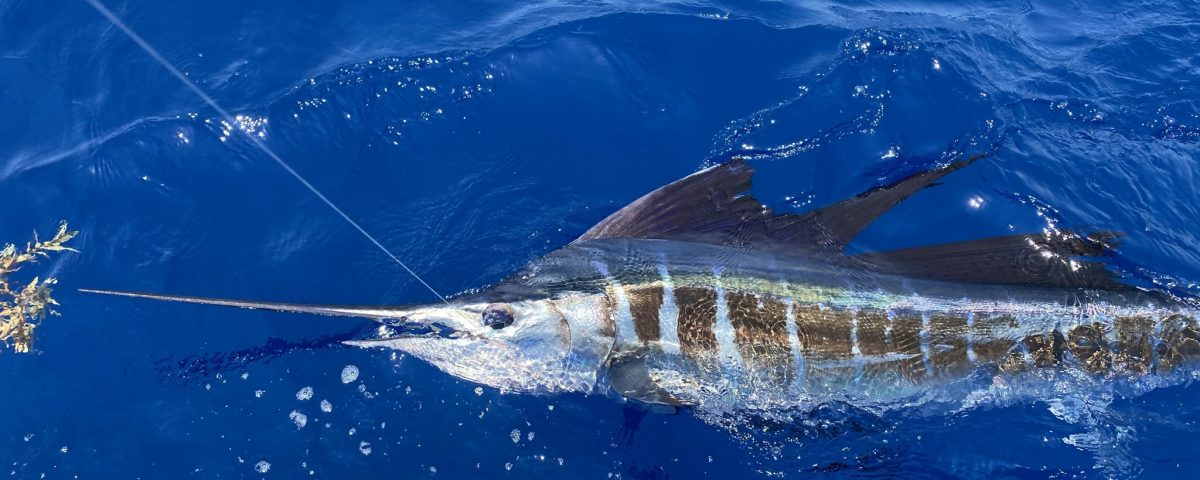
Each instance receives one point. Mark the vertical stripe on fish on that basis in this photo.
(645, 303)
(875, 344)
(668, 314)
(727, 350)
(1179, 342)
(828, 345)
(948, 344)
(761, 330)
(906, 338)
(697, 317)
(794, 346)
(622, 316)
(992, 337)
(1134, 343)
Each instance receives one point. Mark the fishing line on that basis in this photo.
(150, 50)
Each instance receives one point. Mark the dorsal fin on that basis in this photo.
(1042, 260)
(712, 206)
(834, 226)
(705, 202)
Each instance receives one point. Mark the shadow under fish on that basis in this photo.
(203, 367)
(697, 295)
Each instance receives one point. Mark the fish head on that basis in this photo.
(524, 345)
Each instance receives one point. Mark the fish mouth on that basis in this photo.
(406, 329)
(397, 330)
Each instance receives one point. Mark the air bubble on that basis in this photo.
(262, 466)
(349, 374)
(298, 418)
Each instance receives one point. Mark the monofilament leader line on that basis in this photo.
(258, 142)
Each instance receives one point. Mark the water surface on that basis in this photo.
(472, 137)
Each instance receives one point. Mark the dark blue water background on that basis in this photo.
(472, 137)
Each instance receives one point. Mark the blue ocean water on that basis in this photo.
(472, 137)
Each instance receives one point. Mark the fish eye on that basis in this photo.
(395, 322)
(497, 316)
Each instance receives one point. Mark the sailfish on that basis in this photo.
(697, 295)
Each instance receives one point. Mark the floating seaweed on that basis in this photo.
(22, 308)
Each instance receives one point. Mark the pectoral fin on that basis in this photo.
(630, 378)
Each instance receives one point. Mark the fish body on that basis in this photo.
(720, 324)
(698, 295)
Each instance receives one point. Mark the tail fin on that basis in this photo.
(332, 310)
